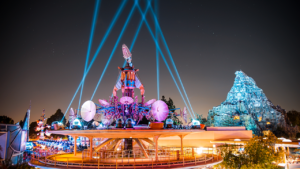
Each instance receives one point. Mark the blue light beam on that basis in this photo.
(170, 56)
(114, 49)
(98, 50)
(136, 34)
(157, 54)
(90, 44)
(153, 37)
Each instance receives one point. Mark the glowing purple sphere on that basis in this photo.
(148, 103)
(160, 110)
(126, 100)
(104, 103)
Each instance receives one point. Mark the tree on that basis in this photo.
(21, 123)
(294, 117)
(259, 152)
(68, 124)
(171, 106)
(231, 159)
(290, 128)
(32, 132)
(200, 119)
(280, 132)
(6, 120)
(57, 117)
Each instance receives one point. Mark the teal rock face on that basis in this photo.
(246, 105)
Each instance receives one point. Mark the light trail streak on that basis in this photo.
(153, 37)
(114, 49)
(90, 44)
(136, 34)
(171, 58)
(157, 54)
(98, 50)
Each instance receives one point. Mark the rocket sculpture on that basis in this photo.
(41, 126)
(129, 78)
(127, 108)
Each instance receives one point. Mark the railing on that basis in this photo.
(129, 159)
(3, 127)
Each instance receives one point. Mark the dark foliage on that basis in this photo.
(171, 105)
(281, 132)
(200, 119)
(32, 132)
(144, 121)
(57, 117)
(294, 117)
(6, 120)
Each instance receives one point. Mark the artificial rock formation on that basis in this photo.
(247, 105)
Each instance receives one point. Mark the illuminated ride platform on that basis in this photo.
(127, 143)
(200, 148)
(114, 138)
(140, 156)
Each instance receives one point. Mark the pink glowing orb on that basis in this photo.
(126, 100)
(160, 110)
(88, 110)
(148, 103)
(104, 103)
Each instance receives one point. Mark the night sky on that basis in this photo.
(44, 46)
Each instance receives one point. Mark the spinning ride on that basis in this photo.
(127, 107)
(127, 112)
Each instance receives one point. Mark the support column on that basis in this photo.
(75, 145)
(155, 139)
(193, 152)
(142, 147)
(91, 148)
(128, 144)
(181, 143)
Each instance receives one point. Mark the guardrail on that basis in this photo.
(134, 163)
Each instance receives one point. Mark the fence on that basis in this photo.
(130, 159)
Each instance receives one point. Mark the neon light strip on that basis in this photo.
(90, 44)
(174, 66)
(98, 50)
(114, 49)
(153, 37)
(136, 34)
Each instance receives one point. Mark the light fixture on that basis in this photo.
(199, 150)
(286, 140)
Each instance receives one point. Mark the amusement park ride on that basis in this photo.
(127, 112)
(111, 127)
(127, 108)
